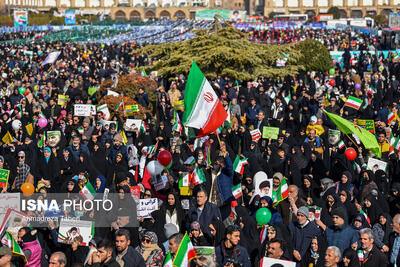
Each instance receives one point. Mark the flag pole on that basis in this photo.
(219, 140)
(352, 141)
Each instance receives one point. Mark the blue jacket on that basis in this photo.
(241, 256)
(75, 152)
(252, 112)
(342, 238)
(209, 213)
(114, 152)
(225, 181)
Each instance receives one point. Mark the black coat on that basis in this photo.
(376, 258)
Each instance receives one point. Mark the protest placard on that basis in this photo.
(13, 221)
(106, 113)
(205, 256)
(270, 132)
(368, 125)
(135, 193)
(255, 135)
(84, 110)
(9, 201)
(62, 100)
(146, 206)
(70, 229)
(376, 164)
(131, 124)
(4, 174)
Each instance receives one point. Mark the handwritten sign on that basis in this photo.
(368, 125)
(146, 206)
(4, 174)
(270, 132)
(84, 110)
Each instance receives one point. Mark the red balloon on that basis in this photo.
(332, 82)
(164, 158)
(350, 154)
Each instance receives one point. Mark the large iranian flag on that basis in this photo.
(185, 253)
(203, 109)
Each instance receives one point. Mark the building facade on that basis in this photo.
(348, 8)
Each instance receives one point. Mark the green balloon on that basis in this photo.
(263, 216)
(332, 71)
(22, 90)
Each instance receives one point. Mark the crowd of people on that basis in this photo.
(338, 212)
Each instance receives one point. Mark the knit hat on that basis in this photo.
(152, 236)
(340, 212)
(170, 229)
(195, 226)
(304, 210)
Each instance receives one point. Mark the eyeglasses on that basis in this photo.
(21, 157)
(146, 240)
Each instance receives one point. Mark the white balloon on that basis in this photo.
(154, 167)
(16, 125)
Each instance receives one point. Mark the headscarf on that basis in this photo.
(47, 158)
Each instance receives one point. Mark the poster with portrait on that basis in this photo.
(262, 186)
(13, 221)
(205, 256)
(53, 138)
(376, 164)
(71, 230)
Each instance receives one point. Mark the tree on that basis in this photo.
(314, 55)
(272, 14)
(335, 11)
(381, 19)
(228, 52)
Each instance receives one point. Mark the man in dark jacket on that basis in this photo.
(126, 255)
(372, 256)
(229, 251)
(302, 232)
(103, 257)
(204, 213)
(341, 235)
(394, 242)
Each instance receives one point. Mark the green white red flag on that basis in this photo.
(88, 192)
(203, 109)
(238, 165)
(237, 191)
(280, 194)
(168, 260)
(353, 102)
(185, 253)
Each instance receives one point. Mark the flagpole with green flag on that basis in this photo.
(367, 138)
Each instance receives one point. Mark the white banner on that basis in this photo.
(146, 206)
(84, 110)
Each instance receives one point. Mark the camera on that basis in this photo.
(229, 261)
